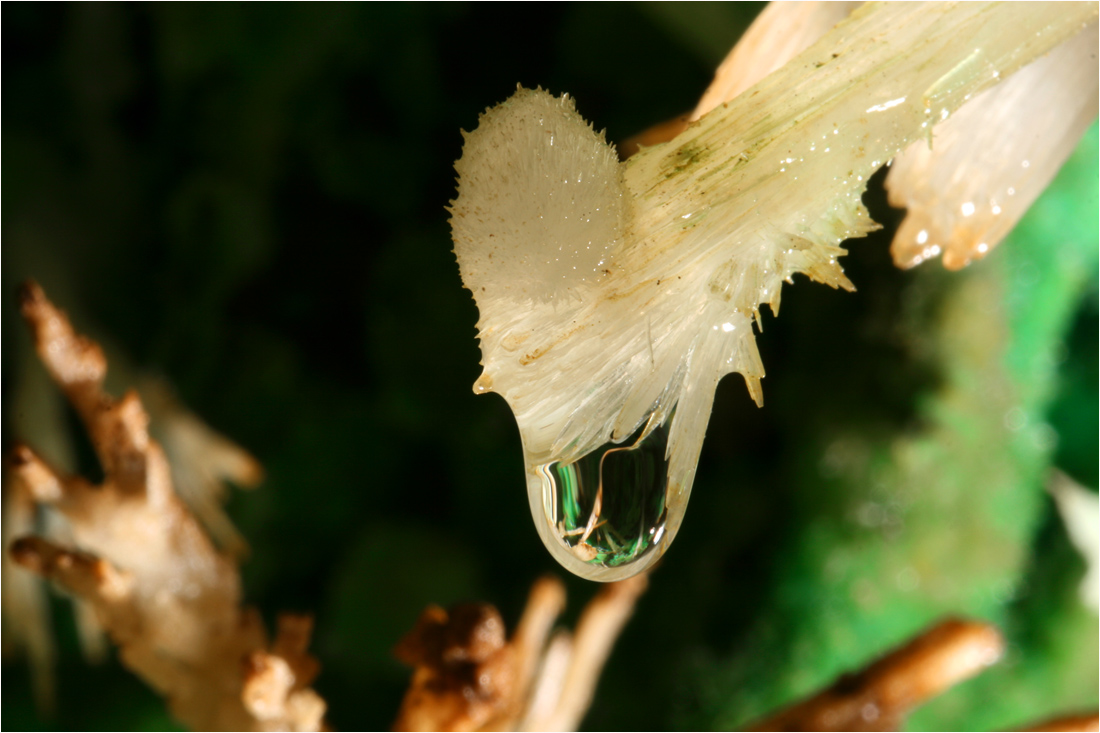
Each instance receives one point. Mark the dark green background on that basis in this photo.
(249, 200)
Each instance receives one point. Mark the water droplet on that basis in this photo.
(605, 513)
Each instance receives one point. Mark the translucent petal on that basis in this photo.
(990, 160)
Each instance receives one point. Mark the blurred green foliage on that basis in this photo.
(249, 200)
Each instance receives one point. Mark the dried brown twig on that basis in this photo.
(879, 696)
(468, 677)
(160, 588)
(1084, 722)
(882, 694)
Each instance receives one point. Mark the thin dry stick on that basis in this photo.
(1084, 722)
(600, 624)
(881, 695)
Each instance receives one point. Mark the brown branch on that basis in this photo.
(160, 588)
(468, 677)
(599, 626)
(882, 694)
(1084, 722)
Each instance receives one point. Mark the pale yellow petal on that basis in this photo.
(990, 160)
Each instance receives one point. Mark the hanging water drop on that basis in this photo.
(604, 515)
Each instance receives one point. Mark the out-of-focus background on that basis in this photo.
(247, 200)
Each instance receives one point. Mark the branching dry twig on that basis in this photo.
(160, 588)
(467, 677)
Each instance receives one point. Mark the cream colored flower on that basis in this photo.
(614, 297)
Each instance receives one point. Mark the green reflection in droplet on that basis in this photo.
(609, 506)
